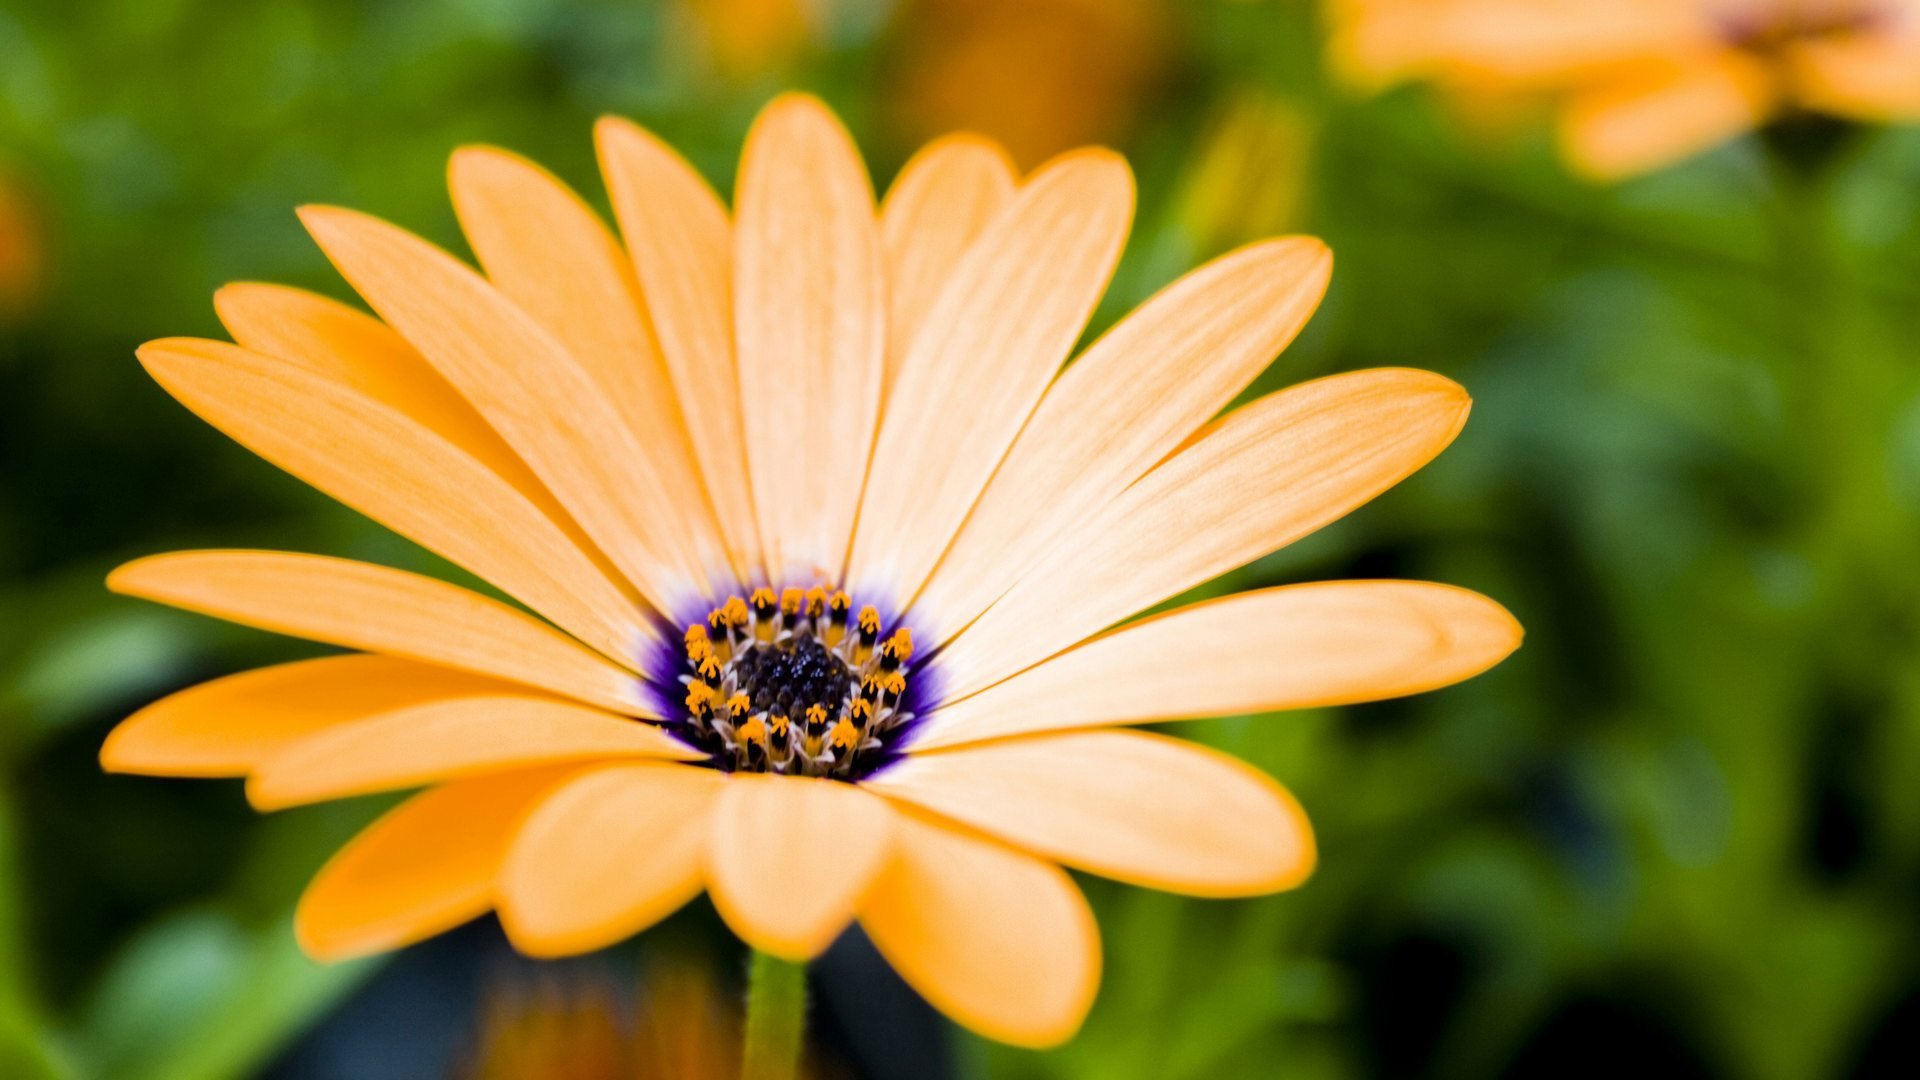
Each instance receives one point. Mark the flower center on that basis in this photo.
(792, 684)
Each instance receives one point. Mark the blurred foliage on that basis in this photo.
(1676, 831)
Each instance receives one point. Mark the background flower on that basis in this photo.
(1640, 84)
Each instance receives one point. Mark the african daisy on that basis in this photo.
(1643, 83)
(826, 550)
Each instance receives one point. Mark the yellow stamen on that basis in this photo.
(753, 732)
(764, 606)
(699, 698)
(869, 631)
(836, 628)
(844, 735)
(900, 645)
(733, 613)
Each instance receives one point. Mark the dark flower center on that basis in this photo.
(795, 684)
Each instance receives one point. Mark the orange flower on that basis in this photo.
(22, 250)
(665, 447)
(684, 1029)
(1640, 84)
(748, 38)
(1040, 76)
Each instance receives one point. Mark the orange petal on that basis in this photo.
(1870, 75)
(1002, 327)
(1292, 647)
(809, 324)
(433, 743)
(426, 866)
(1525, 44)
(378, 609)
(549, 252)
(1142, 808)
(529, 387)
(227, 727)
(791, 858)
(1254, 481)
(1151, 381)
(681, 246)
(608, 855)
(999, 941)
(943, 198)
(1665, 112)
(364, 354)
(404, 475)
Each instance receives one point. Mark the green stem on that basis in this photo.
(776, 1018)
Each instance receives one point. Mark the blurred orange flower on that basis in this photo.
(1639, 84)
(1039, 76)
(664, 448)
(550, 1028)
(22, 249)
(749, 38)
(685, 1028)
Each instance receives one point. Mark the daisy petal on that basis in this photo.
(425, 866)
(227, 727)
(1254, 481)
(1002, 327)
(943, 198)
(791, 858)
(529, 387)
(364, 354)
(1292, 647)
(606, 856)
(378, 609)
(1636, 124)
(404, 475)
(548, 251)
(1165, 370)
(681, 247)
(1142, 808)
(998, 940)
(445, 740)
(809, 325)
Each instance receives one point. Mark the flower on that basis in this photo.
(552, 1028)
(685, 1028)
(1039, 76)
(23, 255)
(748, 38)
(827, 549)
(1640, 84)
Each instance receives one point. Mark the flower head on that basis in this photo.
(23, 254)
(1640, 84)
(824, 547)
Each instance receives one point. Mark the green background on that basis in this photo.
(1678, 830)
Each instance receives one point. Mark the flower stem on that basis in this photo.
(776, 1018)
